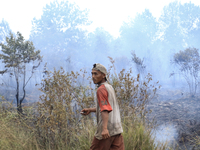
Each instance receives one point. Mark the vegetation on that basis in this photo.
(4, 30)
(139, 63)
(188, 64)
(58, 33)
(55, 122)
(18, 55)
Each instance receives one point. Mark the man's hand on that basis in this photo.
(87, 111)
(105, 134)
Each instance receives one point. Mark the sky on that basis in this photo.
(109, 14)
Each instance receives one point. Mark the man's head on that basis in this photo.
(99, 73)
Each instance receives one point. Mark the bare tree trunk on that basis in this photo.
(24, 91)
(19, 107)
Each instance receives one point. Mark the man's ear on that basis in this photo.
(104, 75)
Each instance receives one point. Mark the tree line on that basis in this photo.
(152, 43)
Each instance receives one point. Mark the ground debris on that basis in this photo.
(183, 113)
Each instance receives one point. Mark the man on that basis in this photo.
(108, 135)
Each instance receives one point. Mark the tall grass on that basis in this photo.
(54, 123)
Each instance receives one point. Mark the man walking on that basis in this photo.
(108, 134)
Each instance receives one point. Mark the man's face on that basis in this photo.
(97, 76)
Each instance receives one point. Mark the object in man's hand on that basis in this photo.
(82, 112)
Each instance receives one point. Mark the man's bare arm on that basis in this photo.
(93, 109)
(87, 111)
(105, 117)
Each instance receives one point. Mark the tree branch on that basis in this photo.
(34, 67)
(4, 71)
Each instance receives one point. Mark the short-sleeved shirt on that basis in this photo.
(106, 100)
(102, 97)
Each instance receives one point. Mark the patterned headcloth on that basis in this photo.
(101, 68)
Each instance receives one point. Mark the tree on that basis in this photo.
(59, 34)
(138, 34)
(139, 63)
(98, 46)
(188, 64)
(170, 26)
(18, 55)
(176, 31)
(191, 24)
(4, 30)
(177, 23)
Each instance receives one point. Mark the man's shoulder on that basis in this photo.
(107, 85)
(102, 88)
(109, 88)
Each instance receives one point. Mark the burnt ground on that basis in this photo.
(183, 112)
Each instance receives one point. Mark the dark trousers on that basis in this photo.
(115, 142)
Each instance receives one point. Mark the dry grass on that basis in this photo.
(54, 123)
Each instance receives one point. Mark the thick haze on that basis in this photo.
(153, 30)
(108, 14)
(142, 35)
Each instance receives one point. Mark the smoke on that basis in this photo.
(165, 133)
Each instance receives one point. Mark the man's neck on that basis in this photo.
(99, 84)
